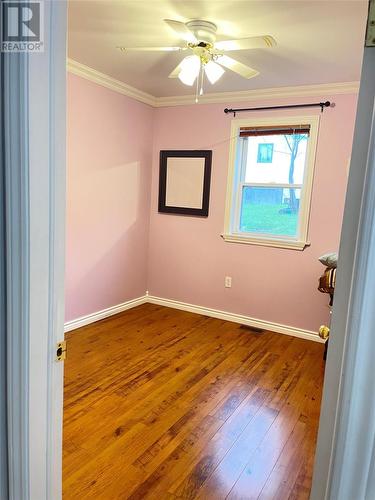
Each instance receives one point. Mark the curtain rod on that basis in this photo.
(321, 105)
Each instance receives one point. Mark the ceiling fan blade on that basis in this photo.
(237, 66)
(152, 49)
(254, 42)
(181, 30)
(176, 71)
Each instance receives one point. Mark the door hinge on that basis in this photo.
(61, 351)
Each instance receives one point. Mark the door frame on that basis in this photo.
(344, 461)
(3, 363)
(34, 163)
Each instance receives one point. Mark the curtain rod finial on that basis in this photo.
(325, 104)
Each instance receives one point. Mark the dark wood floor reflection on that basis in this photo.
(164, 404)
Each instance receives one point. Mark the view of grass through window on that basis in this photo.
(267, 211)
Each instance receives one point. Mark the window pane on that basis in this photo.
(276, 158)
(272, 211)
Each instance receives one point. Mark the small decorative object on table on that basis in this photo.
(327, 283)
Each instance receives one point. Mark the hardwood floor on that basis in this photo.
(165, 404)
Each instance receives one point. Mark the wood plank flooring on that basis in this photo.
(163, 404)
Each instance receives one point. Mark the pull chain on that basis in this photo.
(202, 77)
(197, 85)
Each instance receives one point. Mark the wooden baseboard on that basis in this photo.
(237, 318)
(105, 313)
(214, 313)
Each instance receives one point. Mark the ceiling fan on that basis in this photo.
(206, 56)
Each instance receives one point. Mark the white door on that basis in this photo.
(344, 463)
(34, 145)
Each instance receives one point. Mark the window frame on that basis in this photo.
(231, 232)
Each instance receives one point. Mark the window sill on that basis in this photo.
(266, 242)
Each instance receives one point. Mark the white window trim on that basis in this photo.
(231, 216)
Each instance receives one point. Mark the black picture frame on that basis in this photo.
(163, 171)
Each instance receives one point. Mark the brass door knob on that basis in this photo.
(324, 332)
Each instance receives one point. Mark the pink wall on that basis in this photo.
(118, 245)
(188, 259)
(109, 139)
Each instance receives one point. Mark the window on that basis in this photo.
(270, 181)
(265, 153)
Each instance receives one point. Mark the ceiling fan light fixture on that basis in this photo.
(213, 71)
(190, 68)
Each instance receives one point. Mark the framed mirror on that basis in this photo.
(184, 182)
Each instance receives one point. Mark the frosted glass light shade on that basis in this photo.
(190, 67)
(213, 71)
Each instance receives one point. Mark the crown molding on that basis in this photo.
(323, 89)
(104, 80)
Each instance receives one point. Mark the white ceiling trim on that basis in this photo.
(110, 83)
(324, 89)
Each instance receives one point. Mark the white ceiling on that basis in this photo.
(319, 41)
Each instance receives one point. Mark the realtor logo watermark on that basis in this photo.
(22, 26)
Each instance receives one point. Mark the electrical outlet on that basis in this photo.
(228, 282)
